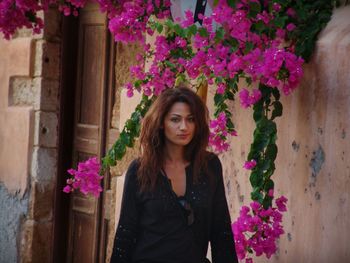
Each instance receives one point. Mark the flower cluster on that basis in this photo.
(130, 23)
(17, 14)
(218, 133)
(86, 178)
(258, 229)
(247, 100)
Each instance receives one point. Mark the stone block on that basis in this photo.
(47, 59)
(53, 19)
(47, 98)
(41, 202)
(44, 166)
(22, 92)
(45, 129)
(36, 242)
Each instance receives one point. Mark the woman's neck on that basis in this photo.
(174, 154)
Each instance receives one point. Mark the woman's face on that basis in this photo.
(179, 125)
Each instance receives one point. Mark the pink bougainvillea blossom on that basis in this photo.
(258, 229)
(247, 100)
(249, 165)
(86, 178)
(218, 133)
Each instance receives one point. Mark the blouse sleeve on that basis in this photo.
(221, 237)
(125, 237)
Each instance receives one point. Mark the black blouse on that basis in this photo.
(154, 228)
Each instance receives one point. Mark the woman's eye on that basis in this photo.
(175, 119)
(191, 119)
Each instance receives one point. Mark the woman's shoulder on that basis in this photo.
(134, 165)
(131, 172)
(212, 160)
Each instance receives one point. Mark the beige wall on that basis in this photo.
(313, 169)
(16, 132)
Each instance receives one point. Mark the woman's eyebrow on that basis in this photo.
(179, 115)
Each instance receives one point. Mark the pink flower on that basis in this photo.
(276, 7)
(290, 27)
(67, 189)
(257, 230)
(247, 100)
(249, 165)
(270, 193)
(86, 178)
(221, 88)
(218, 133)
(281, 203)
(180, 42)
(189, 20)
(291, 12)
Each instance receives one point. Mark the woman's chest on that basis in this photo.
(163, 203)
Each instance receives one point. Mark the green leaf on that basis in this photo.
(218, 99)
(267, 202)
(256, 179)
(191, 31)
(159, 28)
(232, 3)
(120, 150)
(269, 184)
(261, 140)
(257, 195)
(137, 83)
(258, 111)
(280, 21)
(271, 152)
(270, 171)
(179, 30)
(219, 34)
(259, 27)
(248, 47)
(31, 16)
(169, 23)
(276, 94)
(278, 109)
(254, 9)
(169, 64)
(203, 32)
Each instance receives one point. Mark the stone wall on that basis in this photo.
(29, 83)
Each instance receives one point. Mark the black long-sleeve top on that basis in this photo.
(152, 227)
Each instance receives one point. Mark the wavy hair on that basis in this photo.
(152, 138)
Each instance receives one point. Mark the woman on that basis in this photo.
(174, 198)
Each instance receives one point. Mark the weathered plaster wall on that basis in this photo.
(313, 169)
(13, 211)
(29, 82)
(15, 134)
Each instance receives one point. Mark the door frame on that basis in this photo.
(69, 47)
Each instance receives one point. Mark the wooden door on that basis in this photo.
(85, 213)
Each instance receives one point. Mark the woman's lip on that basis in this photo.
(183, 135)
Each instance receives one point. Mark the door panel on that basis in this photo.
(89, 132)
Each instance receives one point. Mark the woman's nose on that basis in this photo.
(183, 125)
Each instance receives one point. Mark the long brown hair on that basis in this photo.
(152, 139)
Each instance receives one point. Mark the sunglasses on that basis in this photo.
(184, 204)
(187, 209)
